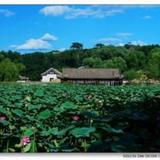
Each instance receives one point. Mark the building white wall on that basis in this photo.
(47, 77)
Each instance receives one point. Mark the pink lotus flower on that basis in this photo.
(76, 118)
(25, 140)
(2, 118)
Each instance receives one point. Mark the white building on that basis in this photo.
(23, 79)
(51, 75)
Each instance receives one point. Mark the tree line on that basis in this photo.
(134, 61)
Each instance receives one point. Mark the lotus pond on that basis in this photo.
(79, 118)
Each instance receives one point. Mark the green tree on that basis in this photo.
(76, 46)
(116, 62)
(135, 59)
(99, 45)
(141, 75)
(154, 63)
(144, 58)
(108, 52)
(9, 71)
(92, 62)
(130, 74)
(1, 57)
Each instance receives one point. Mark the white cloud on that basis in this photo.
(139, 42)
(148, 6)
(36, 44)
(124, 34)
(6, 12)
(54, 10)
(137, 6)
(147, 17)
(117, 39)
(91, 12)
(49, 37)
(110, 40)
(121, 44)
(74, 12)
(62, 49)
(120, 39)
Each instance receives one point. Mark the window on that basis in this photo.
(51, 79)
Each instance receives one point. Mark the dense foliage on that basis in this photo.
(9, 71)
(73, 118)
(130, 59)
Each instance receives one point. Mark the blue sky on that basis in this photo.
(44, 28)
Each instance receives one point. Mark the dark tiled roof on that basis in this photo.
(72, 73)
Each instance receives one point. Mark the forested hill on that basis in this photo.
(133, 61)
